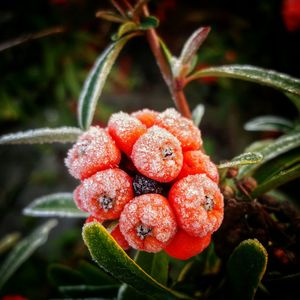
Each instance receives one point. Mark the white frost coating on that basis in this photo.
(94, 151)
(182, 128)
(58, 205)
(198, 114)
(43, 135)
(188, 200)
(151, 211)
(147, 155)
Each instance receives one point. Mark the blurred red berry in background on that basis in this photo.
(291, 14)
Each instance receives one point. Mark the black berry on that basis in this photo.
(144, 185)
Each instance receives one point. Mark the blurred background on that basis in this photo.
(56, 43)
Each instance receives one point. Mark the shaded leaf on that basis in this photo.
(125, 28)
(148, 22)
(113, 259)
(95, 81)
(193, 44)
(258, 145)
(269, 123)
(246, 267)
(281, 145)
(59, 205)
(63, 275)
(198, 113)
(43, 135)
(166, 51)
(295, 100)
(24, 249)
(83, 290)
(282, 177)
(270, 78)
(242, 159)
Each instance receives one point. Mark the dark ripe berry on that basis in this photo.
(144, 185)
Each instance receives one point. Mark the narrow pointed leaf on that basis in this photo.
(282, 177)
(269, 123)
(125, 28)
(8, 241)
(43, 135)
(166, 51)
(95, 81)
(295, 100)
(193, 44)
(262, 76)
(198, 113)
(246, 267)
(58, 205)
(110, 16)
(243, 159)
(113, 259)
(24, 249)
(281, 145)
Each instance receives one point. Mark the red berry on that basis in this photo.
(198, 204)
(183, 129)
(148, 222)
(119, 238)
(93, 219)
(184, 246)
(125, 130)
(196, 162)
(146, 116)
(105, 194)
(78, 201)
(157, 154)
(94, 151)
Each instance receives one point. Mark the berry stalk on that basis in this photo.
(175, 89)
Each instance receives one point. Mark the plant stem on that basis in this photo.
(174, 85)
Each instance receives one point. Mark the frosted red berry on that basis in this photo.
(196, 162)
(182, 128)
(146, 116)
(125, 130)
(198, 204)
(184, 246)
(105, 194)
(119, 238)
(157, 154)
(94, 151)
(148, 222)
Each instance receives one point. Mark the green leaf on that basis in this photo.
(193, 44)
(246, 267)
(281, 145)
(149, 22)
(269, 123)
(43, 135)
(270, 78)
(59, 205)
(258, 145)
(198, 113)
(24, 249)
(113, 259)
(166, 51)
(243, 159)
(282, 177)
(125, 28)
(95, 81)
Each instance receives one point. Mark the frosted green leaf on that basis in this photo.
(43, 135)
(198, 113)
(58, 205)
(24, 249)
(243, 159)
(269, 123)
(95, 81)
(262, 76)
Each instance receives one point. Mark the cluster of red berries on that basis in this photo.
(147, 171)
